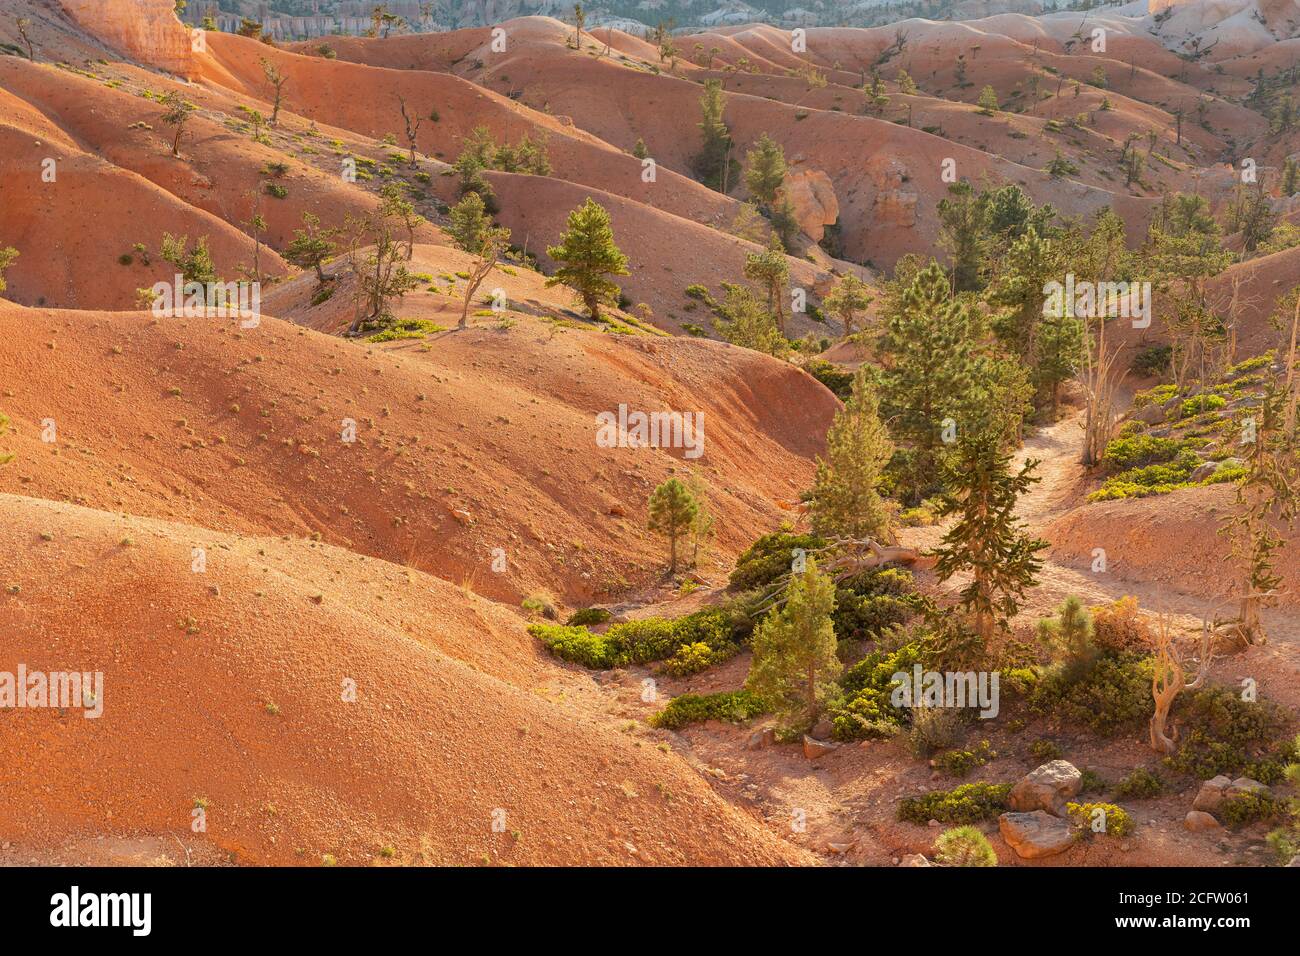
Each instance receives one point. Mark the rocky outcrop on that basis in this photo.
(1198, 821)
(1035, 835)
(146, 31)
(813, 199)
(1048, 788)
(1211, 795)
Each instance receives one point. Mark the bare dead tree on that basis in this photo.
(1170, 679)
(1100, 379)
(412, 129)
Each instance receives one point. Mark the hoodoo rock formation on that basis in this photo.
(144, 30)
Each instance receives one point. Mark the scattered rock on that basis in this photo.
(812, 749)
(1245, 785)
(763, 737)
(914, 859)
(822, 730)
(1210, 797)
(1201, 472)
(1151, 414)
(617, 511)
(1035, 835)
(1198, 821)
(1047, 788)
(840, 847)
(464, 517)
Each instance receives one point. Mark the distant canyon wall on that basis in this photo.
(146, 31)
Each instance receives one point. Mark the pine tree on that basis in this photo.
(987, 540)
(963, 225)
(794, 665)
(988, 101)
(770, 270)
(765, 170)
(311, 246)
(906, 84)
(194, 265)
(673, 510)
(1069, 636)
(473, 232)
(178, 114)
(743, 321)
(711, 163)
(588, 255)
(640, 150)
(844, 501)
(928, 341)
(848, 297)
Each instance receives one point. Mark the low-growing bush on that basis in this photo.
(964, 846)
(1114, 695)
(643, 641)
(1101, 818)
(733, 706)
(1140, 784)
(1243, 809)
(1223, 734)
(958, 763)
(1135, 451)
(588, 616)
(968, 803)
(1045, 750)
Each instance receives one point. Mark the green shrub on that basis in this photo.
(1091, 782)
(1135, 451)
(1152, 360)
(1155, 396)
(968, 803)
(643, 641)
(958, 763)
(1045, 750)
(1115, 819)
(406, 329)
(575, 644)
(964, 846)
(769, 558)
(837, 379)
(588, 616)
(1223, 734)
(1113, 696)
(866, 711)
(733, 706)
(1141, 784)
(1198, 404)
(1243, 809)
(691, 659)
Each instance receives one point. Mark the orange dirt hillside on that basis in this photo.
(230, 691)
(476, 441)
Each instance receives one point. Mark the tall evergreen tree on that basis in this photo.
(844, 500)
(795, 666)
(742, 320)
(770, 270)
(711, 165)
(848, 297)
(588, 256)
(987, 540)
(929, 349)
(673, 510)
(765, 170)
(963, 225)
